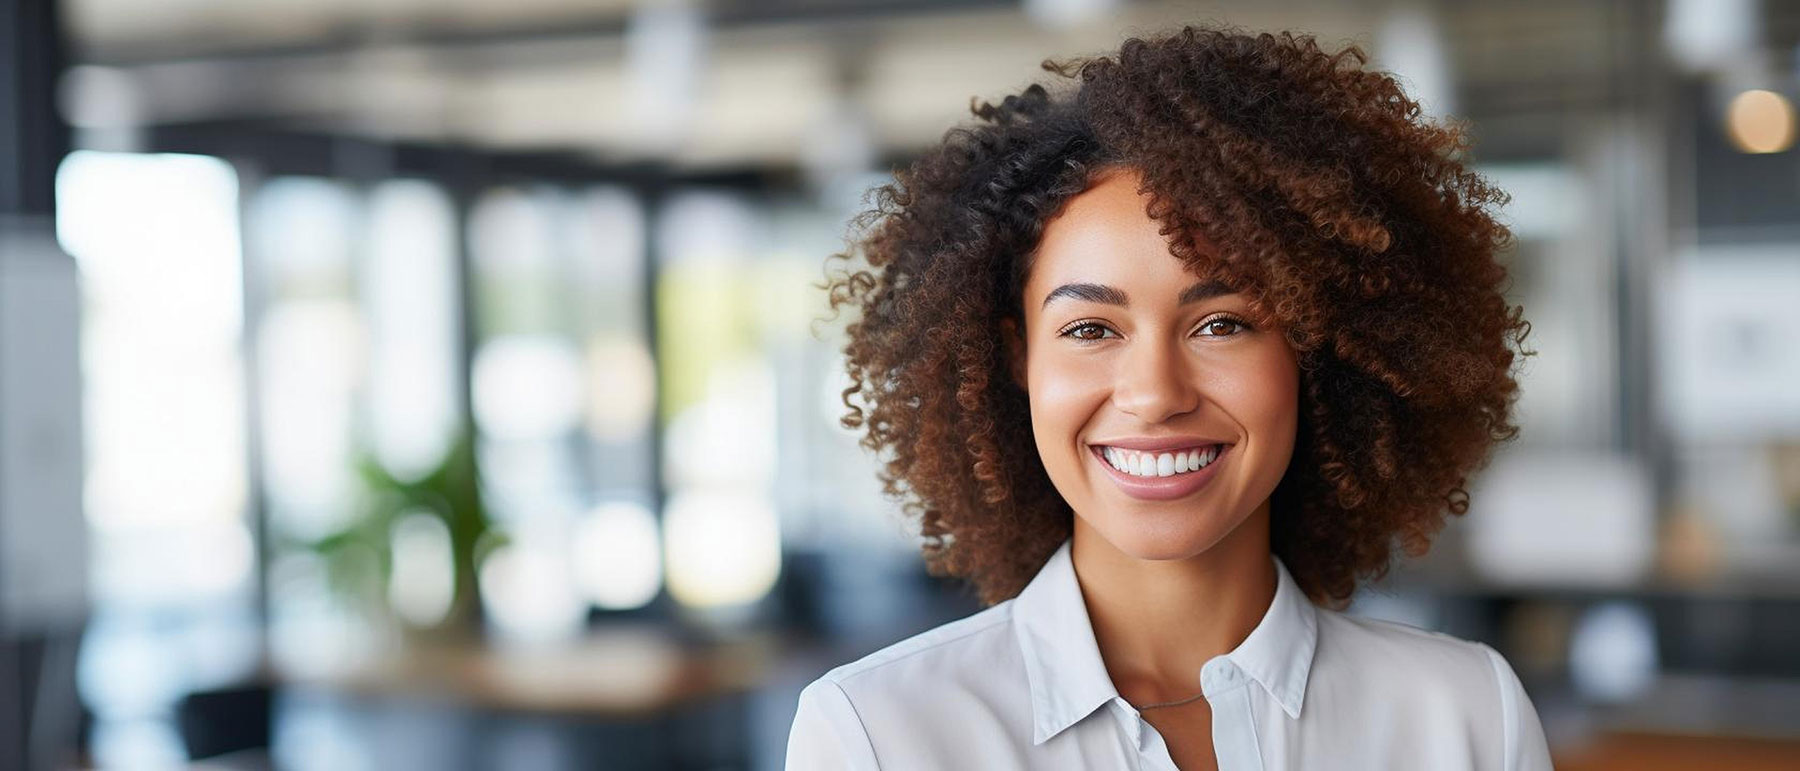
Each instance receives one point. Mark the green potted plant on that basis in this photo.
(450, 493)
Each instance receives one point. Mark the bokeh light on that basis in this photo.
(723, 548)
(1760, 122)
(618, 556)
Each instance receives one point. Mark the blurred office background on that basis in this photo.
(432, 385)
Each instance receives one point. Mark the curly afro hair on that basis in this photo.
(1339, 211)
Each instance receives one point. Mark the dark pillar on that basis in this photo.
(42, 529)
(33, 137)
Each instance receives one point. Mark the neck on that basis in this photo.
(1157, 622)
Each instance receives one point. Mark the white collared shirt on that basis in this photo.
(1021, 685)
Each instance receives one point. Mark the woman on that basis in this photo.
(1166, 365)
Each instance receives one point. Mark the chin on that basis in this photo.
(1141, 536)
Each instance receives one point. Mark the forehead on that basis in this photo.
(1105, 235)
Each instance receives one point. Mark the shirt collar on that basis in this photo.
(1068, 678)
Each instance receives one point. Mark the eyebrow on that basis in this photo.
(1108, 295)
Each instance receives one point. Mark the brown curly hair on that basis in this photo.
(1336, 208)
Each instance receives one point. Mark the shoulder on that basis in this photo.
(1443, 684)
(1432, 670)
(917, 700)
(1376, 646)
(961, 653)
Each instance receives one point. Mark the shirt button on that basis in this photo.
(1219, 675)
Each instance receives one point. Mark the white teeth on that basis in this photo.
(1160, 464)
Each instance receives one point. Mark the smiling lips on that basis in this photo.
(1160, 475)
(1161, 464)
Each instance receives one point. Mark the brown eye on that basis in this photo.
(1223, 327)
(1086, 331)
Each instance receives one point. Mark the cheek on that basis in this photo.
(1265, 394)
(1064, 394)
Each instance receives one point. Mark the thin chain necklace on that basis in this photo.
(1172, 703)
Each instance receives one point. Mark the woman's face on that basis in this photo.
(1163, 418)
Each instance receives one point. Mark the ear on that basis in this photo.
(1014, 339)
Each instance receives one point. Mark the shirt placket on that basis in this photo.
(1235, 744)
(1233, 726)
(1150, 754)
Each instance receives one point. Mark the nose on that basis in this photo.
(1155, 382)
